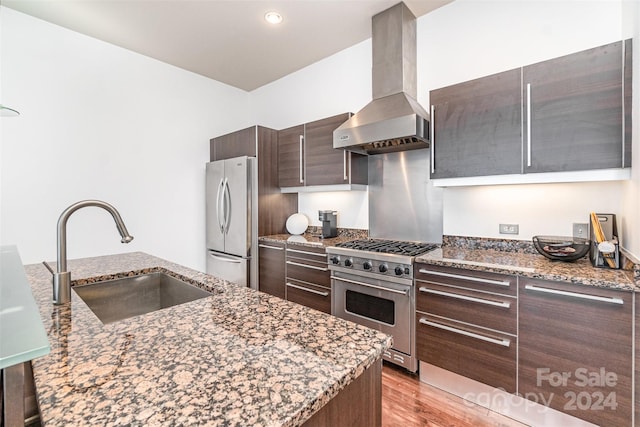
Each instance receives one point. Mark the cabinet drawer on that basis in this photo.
(487, 310)
(307, 271)
(487, 357)
(307, 252)
(310, 295)
(478, 280)
(308, 264)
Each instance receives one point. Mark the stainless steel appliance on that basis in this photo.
(229, 219)
(372, 284)
(329, 223)
(393, 120)
(372, 280)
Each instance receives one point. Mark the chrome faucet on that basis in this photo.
(62, 278)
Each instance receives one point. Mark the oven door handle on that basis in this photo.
(382, 288)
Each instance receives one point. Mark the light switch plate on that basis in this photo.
(581, 230)
(509, 228)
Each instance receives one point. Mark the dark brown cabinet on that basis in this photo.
(574, 109)
(307, 157)
(575, 349)
(308, 280)
(272, 271)
(476, 127)
(566, 114)
(291, 156)
(466, 322)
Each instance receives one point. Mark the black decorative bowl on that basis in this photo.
(558, 248)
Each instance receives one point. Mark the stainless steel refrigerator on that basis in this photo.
(231, 219)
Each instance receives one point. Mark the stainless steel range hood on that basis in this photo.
(393, 121)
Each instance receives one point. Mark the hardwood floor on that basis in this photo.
(406, 402)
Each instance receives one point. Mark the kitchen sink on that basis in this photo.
(118, 299)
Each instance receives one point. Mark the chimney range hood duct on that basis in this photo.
(393, 121)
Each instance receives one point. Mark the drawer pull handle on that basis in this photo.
(307, 253)
(503, 342)
(575, 295)
(307, 266)
(313, 291)
(470, 278)
(504, 304)
(271, 247)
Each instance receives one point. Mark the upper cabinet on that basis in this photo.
(477, 127)
(290, 156)
(307, 158)
(571, 113)
(574, 109)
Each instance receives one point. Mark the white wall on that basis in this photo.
(460, 41)
(98, 121)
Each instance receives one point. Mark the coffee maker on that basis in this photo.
(328, 219)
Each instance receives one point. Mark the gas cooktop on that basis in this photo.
(397, 247)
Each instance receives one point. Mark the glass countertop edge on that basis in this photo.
(16, 291)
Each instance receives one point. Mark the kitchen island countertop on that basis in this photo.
(239, 357)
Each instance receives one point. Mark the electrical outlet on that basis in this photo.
(581, 230)
(509, 228)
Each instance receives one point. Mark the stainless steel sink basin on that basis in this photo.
(113, 300)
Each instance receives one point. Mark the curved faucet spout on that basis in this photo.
(62, 278)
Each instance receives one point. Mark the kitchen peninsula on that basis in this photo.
(239, 357)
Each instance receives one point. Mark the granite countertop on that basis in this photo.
(239, 357)
(531, 265)
(312, 237)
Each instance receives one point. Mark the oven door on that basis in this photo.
(378, 304)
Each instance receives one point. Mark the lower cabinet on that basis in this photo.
(575, 350)
(565, 346)
(467, 323)
(271, 265)
(308, 280)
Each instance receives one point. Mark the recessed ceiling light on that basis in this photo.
(273, 17)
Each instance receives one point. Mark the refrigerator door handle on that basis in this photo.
(227, 206)
(225, 259)
(219, 201)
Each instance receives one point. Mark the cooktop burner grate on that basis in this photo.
(389, 246)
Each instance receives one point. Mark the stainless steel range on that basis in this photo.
(372, 284)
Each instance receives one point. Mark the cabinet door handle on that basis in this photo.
(307, 266)
(313, 291)
(503, 304)
(528, 124)
(470, 278)
(344, 165)
(432, 144)
(611, 300)
(503, 342)
(270, 247)
(301, 144)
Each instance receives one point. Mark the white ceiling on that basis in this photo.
(226, 40)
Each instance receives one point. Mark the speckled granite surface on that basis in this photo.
(515, 258)
(312, 237)
(239, 357)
